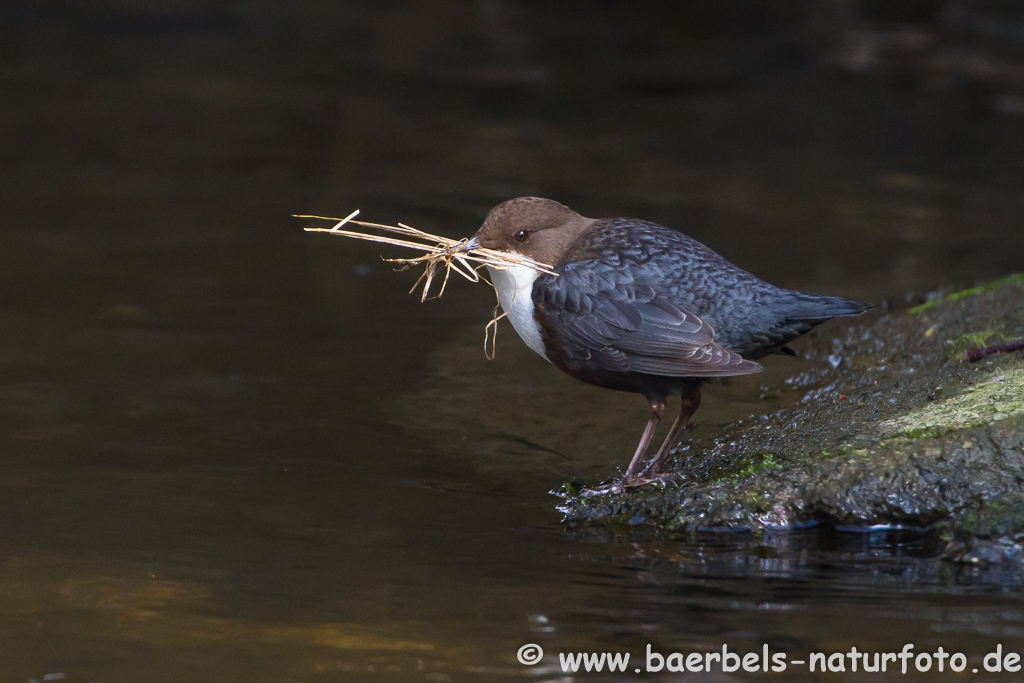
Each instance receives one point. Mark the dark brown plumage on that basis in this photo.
(639, 307)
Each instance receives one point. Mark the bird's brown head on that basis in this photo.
(541, 229)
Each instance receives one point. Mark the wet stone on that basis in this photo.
(893, 430)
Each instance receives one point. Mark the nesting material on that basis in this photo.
(442, 253)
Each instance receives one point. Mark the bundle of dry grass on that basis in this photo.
(441, 253)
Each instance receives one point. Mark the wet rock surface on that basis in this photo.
(894, 428)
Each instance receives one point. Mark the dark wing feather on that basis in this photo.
(625, 326)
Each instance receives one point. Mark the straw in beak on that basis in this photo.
(468, 245)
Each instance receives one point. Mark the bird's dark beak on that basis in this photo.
(468, 245)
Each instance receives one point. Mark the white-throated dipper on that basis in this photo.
(636, 306)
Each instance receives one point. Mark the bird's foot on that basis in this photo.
(661, 480)
(669, 480)
(614, 487)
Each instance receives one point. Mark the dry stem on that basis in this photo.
(441, 252)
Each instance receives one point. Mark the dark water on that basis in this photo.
(235, 451)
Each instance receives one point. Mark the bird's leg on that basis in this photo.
(657, 410)
(631, 478)
(691, 401)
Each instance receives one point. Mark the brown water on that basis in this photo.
(235, 451)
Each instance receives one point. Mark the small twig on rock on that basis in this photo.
(974, 355)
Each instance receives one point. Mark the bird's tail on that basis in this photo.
(815, 308)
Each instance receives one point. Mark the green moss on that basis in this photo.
(974, 340)
(757, 464)
(997, 399)
(956, 296)
(995, 519)
(572, 488)
(927, 432)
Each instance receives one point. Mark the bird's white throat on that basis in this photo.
(515, 294)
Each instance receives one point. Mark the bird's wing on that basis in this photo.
(627, 326)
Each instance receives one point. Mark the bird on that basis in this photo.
(635, 306)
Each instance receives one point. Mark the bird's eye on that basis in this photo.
(522, 236)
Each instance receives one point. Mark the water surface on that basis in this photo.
(235, 451)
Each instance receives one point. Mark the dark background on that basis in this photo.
(233, 450)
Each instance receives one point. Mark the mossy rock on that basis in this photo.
(895, 428)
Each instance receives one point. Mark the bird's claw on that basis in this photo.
(670, 479)
(660, 480)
